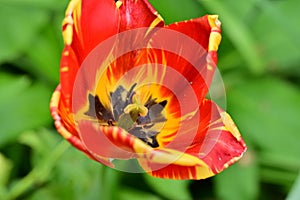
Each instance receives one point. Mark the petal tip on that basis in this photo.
(68, 22)
(214, 21)
(215, 37)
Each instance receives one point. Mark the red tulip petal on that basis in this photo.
(137, 14)
(67, 127)
(189, 70)
(68, 70)
(160, 67)
(205, 30)
(189, 52)
(217, 141)
(156, 81)
(172, 164)
(110, 142)
(217, 144)
(196, 141)
(86, 24)
(126, 141)
(222, 144)
(207, 33)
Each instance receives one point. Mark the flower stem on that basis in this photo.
(40, 173)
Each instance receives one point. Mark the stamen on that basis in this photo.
(136, 107)
(130, 113)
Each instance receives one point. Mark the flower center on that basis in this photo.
(143, 120)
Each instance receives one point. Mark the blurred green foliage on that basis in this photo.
(259, 61)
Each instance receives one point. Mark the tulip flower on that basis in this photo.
(132, 87)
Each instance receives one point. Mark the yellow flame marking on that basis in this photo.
(118, 4)
(64, 69)
(230, 126)
(215, 36)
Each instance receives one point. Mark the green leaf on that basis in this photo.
(84, 178)
(44, 57)
(295, 191)
(278, 168)
(170, 9)
(23, 106)
(237, 30)
(276, 29)
(239, 181)
(23, 26)
(5, 169)
(128, 193)
(40, 173)
(41, 142)
(110, 182)
(45, 4)
(267, 112)
(18, 32)
(165, 186)
(275, 176)
(10, 86)
(280, 161)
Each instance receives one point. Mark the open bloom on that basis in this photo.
(144, 97)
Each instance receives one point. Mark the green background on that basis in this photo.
(259, 59)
